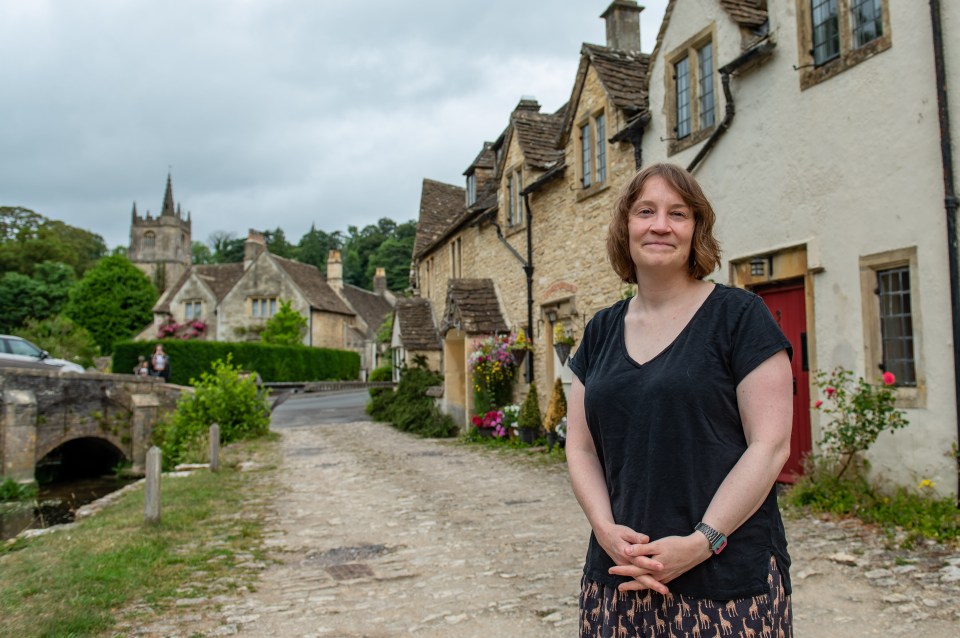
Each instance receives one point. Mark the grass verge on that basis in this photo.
(74, 583)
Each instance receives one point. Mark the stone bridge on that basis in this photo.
(40, 411)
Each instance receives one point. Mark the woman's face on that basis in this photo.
(660, 228)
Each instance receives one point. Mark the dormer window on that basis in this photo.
(471, 189)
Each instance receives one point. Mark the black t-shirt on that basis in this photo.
(669, 431)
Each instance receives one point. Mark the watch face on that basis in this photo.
(720, 544)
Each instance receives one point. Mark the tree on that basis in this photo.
(277, 243)
(114, 301)
(63, 338)
(286, 327)
(227, 248)
(201, 253)
(38, 297)
(315, 246)
(28, 238)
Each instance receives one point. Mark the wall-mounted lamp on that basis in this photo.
(551, 315)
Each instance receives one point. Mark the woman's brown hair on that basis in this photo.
(704, 249)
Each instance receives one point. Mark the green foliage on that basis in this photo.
(28, 239)
(530, 411)
(114, 301)
(859, 412)
(315, 246)
(411, 410)
(222, 396)
(277, 243)
(385, 331)
(557, 408)
(191, 358)
(918, 512)
(62, 338)
(11, 491)
(39, 296)
(286, 327)
(201, 253)
(363, 250)
(225, 248)
(380, 398)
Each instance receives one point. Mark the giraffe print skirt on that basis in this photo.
(606, 612)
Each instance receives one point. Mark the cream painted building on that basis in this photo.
(813, 126)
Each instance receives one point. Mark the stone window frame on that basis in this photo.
(515, 213)
(471, 188)
(850, 56)
(263, 307)
(149, 239)
(588, 164)
(690, 51)
(870, 265)
(192, 309)
(456, 258)
(428, 275)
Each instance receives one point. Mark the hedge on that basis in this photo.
(190, 358)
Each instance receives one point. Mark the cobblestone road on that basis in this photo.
(377, 533)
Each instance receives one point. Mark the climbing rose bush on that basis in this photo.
(858, 412)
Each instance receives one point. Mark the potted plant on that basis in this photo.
(519, 347)
(490, 425)
(562, 342)
(556, 410)
(511, 413)
(529, 421)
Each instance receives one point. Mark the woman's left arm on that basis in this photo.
(765, 400)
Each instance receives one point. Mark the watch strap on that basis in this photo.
(716, 540)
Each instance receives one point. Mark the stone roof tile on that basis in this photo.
(315, 288)
(220, 278)
(473, 306)
(371, 307)
(440, 205)
(623, 74)
(537, 135)
(416, 326)
(746, 13)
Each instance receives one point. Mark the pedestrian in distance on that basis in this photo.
(679, 420)
(142, 368)
(160, 363)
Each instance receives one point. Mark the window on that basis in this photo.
(471, 189)
(456, 258)
(891, 325)
(514, 199)
(263, 306)
(593, 151)
(586, 151)
(838, 34)
(691, 91)
(149, 239)
(192, 310)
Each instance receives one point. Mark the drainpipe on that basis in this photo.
(756, 52)
(528, 270)
(950, 204)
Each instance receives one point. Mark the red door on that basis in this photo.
(786, 304)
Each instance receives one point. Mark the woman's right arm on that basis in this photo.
(590, 488)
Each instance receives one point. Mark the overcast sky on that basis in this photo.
(269, 112)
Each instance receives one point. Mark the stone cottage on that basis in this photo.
(813, 125)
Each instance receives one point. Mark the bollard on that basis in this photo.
(214, 448)
(151, 499)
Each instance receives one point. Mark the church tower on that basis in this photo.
(160, 246)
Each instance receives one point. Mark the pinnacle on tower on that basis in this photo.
(134, 214)
(168, 199)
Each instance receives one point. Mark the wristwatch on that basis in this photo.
(717, 540)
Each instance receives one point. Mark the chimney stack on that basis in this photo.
(335, 270)
(252, 247)
(380, 282)
(623, 25)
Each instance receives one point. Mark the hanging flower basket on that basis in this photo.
(563, 351)
(518, 356)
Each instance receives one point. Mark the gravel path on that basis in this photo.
(377, 533)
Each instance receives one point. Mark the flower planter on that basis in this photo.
(551, 440)
(485, 433)
(518, 356)
(528, 435)
(563, 351)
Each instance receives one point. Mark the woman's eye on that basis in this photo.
(680, 214)
(644, 212)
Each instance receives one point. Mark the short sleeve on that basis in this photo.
(756, 338)
(580, 361)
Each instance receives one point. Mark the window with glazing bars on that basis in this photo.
(705, 61)
(585, 154)
(518, 204)
(866, 17)
(510, 212)
(682, 73)
(601, 148)
(896, 324)
(826, 31)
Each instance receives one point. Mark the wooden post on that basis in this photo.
(214, 448)
(151, 508)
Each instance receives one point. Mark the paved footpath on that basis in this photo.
(377, 533)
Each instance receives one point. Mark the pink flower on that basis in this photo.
(889, 378)
(818, 403)
(830, 390)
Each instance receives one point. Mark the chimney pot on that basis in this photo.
(623, 25)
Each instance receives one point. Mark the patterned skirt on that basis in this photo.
(606, 612)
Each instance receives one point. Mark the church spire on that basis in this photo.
(168, 199)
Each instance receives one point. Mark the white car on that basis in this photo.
(18, 352)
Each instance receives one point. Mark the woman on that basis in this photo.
(160, 363)
(678, 424)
